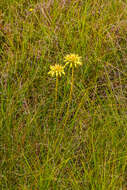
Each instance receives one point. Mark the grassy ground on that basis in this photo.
(38, 149)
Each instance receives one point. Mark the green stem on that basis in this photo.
(56, 91)
(70, 97)
(64, 96)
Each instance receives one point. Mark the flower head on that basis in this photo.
(72, 59)
(31, 10)
(57, 70)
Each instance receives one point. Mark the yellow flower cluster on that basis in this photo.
(71, 59)
(57, 70)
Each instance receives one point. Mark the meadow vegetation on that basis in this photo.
(67, 132)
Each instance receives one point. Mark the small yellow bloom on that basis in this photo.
(72, 59)
(30, 9)
(57, 70)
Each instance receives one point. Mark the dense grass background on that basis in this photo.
(36, 151)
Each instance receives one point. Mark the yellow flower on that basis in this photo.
(30, 9)
(57, 70)
(72, 59)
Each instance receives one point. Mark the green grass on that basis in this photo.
(36, 151)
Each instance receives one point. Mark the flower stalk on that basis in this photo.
(56, 92)
(70, 96)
